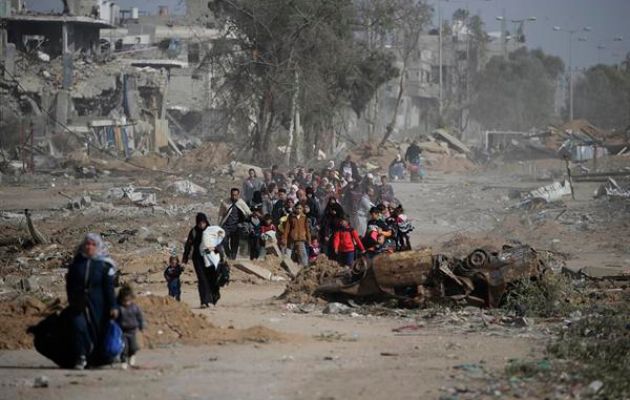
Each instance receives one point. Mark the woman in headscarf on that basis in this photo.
(91, 299)
(329, 224)
(191, 249)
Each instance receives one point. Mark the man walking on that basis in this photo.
(251, 185)
(232, 215)
(296, 234)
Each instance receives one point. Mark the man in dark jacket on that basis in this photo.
(413, 152)
(232, 216)
(349, 167)
(278, 210)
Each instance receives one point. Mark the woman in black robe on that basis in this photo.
(333, 213)
(91, 299)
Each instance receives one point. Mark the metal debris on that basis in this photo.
(481, 279)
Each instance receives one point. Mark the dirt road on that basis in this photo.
(333, 356)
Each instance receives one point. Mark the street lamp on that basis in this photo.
(440, 41)
(504, 37)
(572, 32)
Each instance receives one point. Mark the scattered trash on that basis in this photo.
(336, 308)
(612, 189)
(41, 382)
(595, 386)
(548, 194)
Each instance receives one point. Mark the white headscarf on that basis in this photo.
(102, 253)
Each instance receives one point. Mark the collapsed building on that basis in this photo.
(97, 78)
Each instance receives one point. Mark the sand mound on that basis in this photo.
(17, 315)
(301, 289)
(206, 157)
(447, 163)
(170, 322)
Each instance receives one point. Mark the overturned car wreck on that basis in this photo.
(416, 277)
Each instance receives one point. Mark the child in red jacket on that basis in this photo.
(345, 243)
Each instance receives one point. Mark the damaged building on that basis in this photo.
(67, 83)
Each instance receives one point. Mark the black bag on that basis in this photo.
(53, 338)
(223, 274)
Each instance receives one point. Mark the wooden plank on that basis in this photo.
(250, 268)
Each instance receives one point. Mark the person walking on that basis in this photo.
(233, 214)
(192, 250)
(213, 255)
(91, 298)
(251, 185)
(360, 217)
(296, 234)
(131, 321)
(346, 241)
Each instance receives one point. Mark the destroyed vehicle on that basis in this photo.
(483, 278)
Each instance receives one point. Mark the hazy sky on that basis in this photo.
(607, 18)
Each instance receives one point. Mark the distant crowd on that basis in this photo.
(335, 211)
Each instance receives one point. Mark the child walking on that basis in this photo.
(130, 320)
(172, 274)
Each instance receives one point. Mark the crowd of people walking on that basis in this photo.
(335, 211)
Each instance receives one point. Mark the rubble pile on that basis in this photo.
(302, 289)
(206, 158)
(418, 277)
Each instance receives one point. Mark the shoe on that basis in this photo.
(124, 366)
(132, 361)
(81, 363)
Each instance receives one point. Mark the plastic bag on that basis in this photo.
(113, 343)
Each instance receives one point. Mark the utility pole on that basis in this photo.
(571, 32)
(440, 57)
(571, 75)
(504, 36)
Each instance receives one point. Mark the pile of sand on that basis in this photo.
(205, 157)
(17, 315)
(170, 322)
(300, 290)
(448, 163)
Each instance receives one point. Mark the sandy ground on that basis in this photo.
(337, 356)
(326, 357)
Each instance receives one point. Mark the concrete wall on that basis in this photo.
(82, 7)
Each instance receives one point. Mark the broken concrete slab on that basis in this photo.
(291, 267)
(251, 268)
(188, 188)
(549, 193)
(453, 142)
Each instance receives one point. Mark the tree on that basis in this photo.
(518, 93)
(294, 67)
(466, 69)
(410, 18)
(602, 95)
